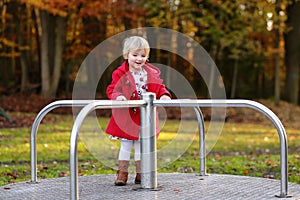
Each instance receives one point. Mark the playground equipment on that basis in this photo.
(148, 106)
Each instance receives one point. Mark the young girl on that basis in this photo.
(134, 77)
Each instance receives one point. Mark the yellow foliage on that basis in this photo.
(10, 55)
(7, 42)
(41, 5)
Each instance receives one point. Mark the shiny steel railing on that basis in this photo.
(35, 126)
(148, 140)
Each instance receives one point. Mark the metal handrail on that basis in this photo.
(81, 103)
(35, 126)
(202, 149)
(101, 104)
(247, 104)
(183, 103)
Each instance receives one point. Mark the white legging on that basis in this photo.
(125, 150)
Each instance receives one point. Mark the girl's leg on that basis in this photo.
(125, 149)
(137, 150)
(124, 157)
(137, 158)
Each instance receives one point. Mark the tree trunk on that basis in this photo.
(50, 78)
(212, 84)
(234, 79)
(58, 52)
(4, 78)
(277, 56)
(292, 56)
(23, 62)
(37, 35)
(45, 71)
(51, 44)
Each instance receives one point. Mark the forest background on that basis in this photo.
(255, 44)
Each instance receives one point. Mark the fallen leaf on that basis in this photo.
(176, 190)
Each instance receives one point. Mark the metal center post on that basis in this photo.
(148, 143)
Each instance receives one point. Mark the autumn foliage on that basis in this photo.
(43, 42)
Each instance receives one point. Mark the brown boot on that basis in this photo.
(138, 172)
(122, 173)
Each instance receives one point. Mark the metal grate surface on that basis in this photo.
(171, 186)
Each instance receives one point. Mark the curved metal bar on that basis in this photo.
(248, 104)
(188, 103)
(75, 130)
(202, 152)
(35, 126)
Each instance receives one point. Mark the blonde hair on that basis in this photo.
(134, 43)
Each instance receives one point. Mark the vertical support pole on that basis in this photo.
(202, 150)
(33, 136)
(74, 192)
(33, 159)
(33, 154)
(148, 143)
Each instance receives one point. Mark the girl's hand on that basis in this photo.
(165, 97)
(121, 98)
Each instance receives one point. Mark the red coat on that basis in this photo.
(125, 122)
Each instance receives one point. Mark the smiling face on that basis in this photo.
(136, 59)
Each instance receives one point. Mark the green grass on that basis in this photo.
(241, 149)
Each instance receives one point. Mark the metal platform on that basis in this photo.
(170, 186)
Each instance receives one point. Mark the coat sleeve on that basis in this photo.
(114, 89)
(155, 83)
(157, 86)
(163, 91)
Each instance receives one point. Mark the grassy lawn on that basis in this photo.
(241, 149)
